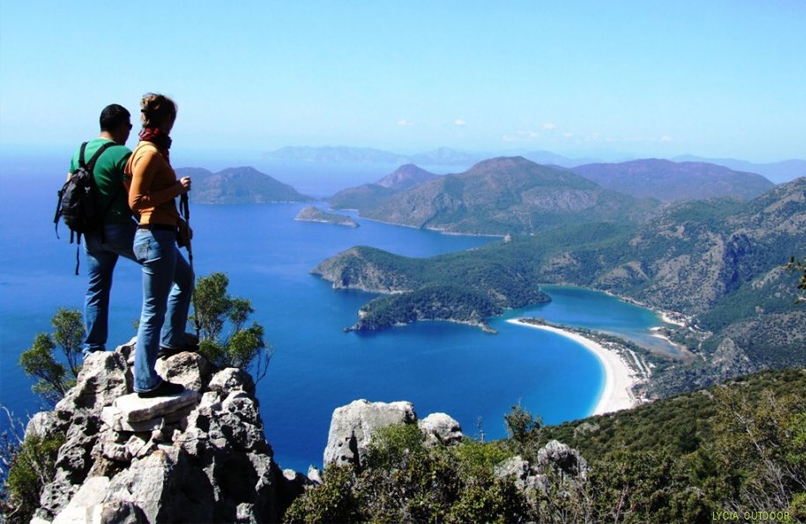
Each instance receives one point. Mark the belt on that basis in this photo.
(156, 227)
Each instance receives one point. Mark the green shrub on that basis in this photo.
(391, 445)
(333, 501)
(39, 361)
(214, 310)
(31, 467)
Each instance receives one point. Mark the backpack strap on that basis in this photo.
(90, 166)
(81, 155)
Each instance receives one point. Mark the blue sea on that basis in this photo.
(441, 367)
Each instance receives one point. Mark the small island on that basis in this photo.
(314, 214)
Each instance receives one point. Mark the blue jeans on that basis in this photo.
(102, 253)
(167, 289)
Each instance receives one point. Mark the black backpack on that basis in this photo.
(76, 205)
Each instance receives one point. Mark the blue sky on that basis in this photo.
(646, 78)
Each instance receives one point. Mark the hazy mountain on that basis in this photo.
(669, 181)
(405, 177)
(371, 195)
(553, 159)
(505, 195)
(238, 185)
(778, 172)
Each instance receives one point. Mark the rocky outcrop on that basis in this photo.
(555, 460)
(440, 428)
(200, 456)
(351, 428)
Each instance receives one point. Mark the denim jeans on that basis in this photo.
(102, 253)
(167, 289)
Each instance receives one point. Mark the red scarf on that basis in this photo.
(159, 139)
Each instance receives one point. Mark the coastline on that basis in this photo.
(619, 377)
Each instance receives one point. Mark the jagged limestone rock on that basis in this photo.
(102, 379)
(189, 369)
(440, 428)
(555, 459)
(200, 456)
(563, 459)
(527, 479)
(351, 428)
(41, 425)
(136, 409)
(231, 379)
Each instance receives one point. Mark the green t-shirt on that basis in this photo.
(108, 174)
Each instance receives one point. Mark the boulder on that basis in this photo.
(440, 428)
(41, 425)
(351, 428)
(526, 477)
(232, 379)
(189, 369)
(563, 459)
(102, 379)
(136, 409)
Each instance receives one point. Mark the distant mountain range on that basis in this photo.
(238, 185)
(507, 195)
(670, 181)
(515, 195)
(777, 172)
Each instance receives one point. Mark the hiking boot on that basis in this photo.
(189, 345)
(166, 389)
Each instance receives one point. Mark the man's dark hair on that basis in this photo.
(114, 115)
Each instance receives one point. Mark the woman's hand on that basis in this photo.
(184, 185)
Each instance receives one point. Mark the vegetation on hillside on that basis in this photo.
(738, 447)
(448, 287)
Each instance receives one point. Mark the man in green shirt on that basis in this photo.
(103, 248)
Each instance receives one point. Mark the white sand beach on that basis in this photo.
(619, 378)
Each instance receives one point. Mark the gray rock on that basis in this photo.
(82, 506)
(351, 428)
(440, 428)
(101, 380)
(232, 379)
(127, 350)
(166, 459)
(526, 477)
(136, 409)
(113, 417)
(41, 425)
(144, 484)
(563, 459)
(189, 369)
(314, 475)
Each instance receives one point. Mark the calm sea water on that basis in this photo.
(440, 367)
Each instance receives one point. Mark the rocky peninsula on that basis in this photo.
(314, 214)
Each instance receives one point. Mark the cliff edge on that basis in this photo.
(200, 456)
